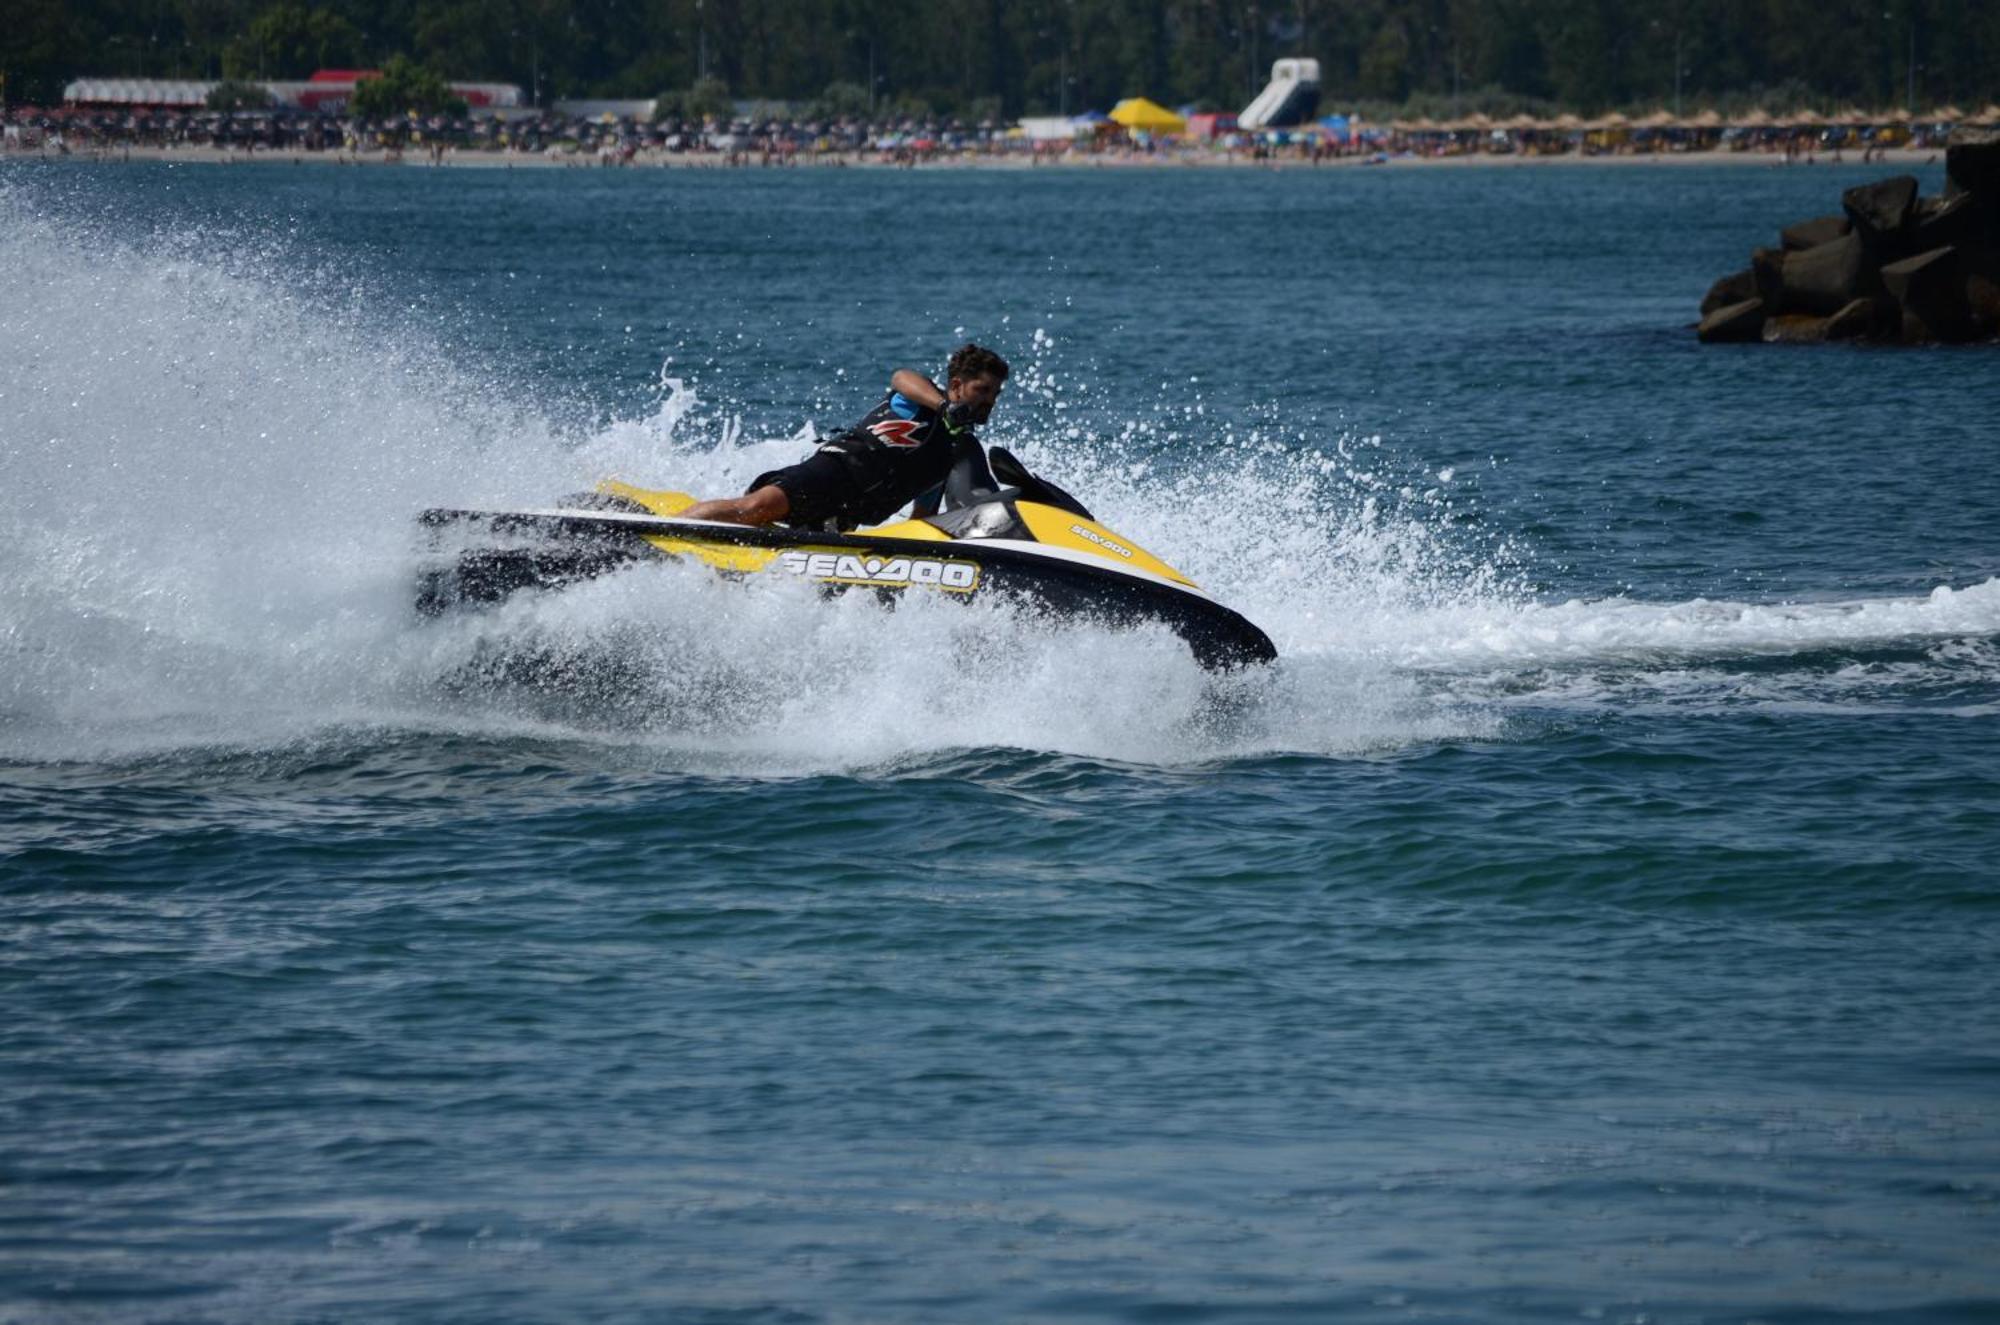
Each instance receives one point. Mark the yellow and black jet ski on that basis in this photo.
(1027, 540)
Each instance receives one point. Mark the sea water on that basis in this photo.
(1592, 915)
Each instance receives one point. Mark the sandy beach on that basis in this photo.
(458, 159)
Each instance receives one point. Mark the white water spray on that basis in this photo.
(209, 475)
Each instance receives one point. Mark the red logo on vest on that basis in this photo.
(898, 432)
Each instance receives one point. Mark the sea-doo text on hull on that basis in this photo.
(1028, 540)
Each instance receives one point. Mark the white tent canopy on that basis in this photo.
(137, 92)
(1048, 128)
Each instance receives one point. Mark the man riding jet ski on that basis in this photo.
(976, 528)
(899, 454)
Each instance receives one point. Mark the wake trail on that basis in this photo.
(1619, 630)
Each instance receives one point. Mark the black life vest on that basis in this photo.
(899, 451)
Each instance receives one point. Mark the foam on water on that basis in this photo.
(211, 466)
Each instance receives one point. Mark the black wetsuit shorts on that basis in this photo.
(819, 487)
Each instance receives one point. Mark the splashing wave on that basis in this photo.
(205, 539)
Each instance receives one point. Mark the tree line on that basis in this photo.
(1003, 58)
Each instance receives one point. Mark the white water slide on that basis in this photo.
(1290, 98)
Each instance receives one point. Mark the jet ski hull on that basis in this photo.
(484, 557)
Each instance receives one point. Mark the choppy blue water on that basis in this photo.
(1592, 917)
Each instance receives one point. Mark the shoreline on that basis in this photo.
(456, 159)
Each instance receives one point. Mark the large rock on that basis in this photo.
(1945, 221)
(1731, 289)
(1863, 319)
(1825, 279)
(1930, 288)
(1767, 271)
(1893, 265)
(1795, 329)
(1982, 288)
(1737, 322)
(1882, 211)
(1972, 163)
(1813, 233)
(1972, 170)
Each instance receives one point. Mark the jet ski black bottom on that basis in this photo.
(503, 553)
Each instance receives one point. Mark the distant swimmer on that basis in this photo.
(901, 453)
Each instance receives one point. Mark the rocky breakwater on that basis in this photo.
(1893, 267)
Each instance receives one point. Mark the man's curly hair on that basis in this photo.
(970, 360)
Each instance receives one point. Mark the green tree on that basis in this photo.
(291, 41)
(404, 86)
(1385, 67)
(466, 39)
(235, 94)
(708, 99)
(43, 45)
(840, 101)
(1586, 66)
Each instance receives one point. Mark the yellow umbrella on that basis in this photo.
(1139, 113)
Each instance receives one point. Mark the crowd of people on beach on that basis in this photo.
(624, 140)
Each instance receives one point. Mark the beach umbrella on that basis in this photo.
(1945, 115)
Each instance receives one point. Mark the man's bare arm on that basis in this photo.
(913, 385)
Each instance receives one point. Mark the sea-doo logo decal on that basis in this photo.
(898, 432)
(891, 572)
(1101, 541)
